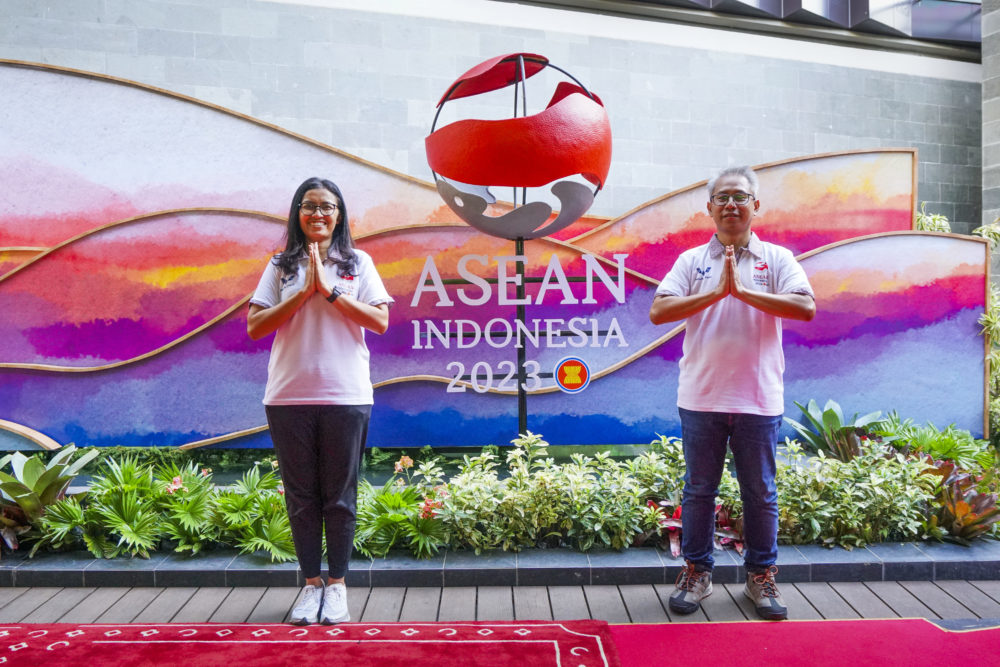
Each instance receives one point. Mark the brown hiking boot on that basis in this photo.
(693, 586)
(763, 592)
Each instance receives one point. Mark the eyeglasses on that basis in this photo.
(740, 198)
(309, 208)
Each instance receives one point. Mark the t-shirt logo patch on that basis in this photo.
(703, 273)
(760, 273)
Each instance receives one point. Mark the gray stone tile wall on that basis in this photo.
(991, 110)
(367, 82)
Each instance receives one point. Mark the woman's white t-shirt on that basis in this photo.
(319, 357)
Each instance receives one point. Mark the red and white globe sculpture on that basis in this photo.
(570, 137)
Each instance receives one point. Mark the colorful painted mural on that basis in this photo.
(134, 225)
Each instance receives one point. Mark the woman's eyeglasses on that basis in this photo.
(309, 208)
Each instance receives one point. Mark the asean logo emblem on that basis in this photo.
(572, 375)
(566, 146)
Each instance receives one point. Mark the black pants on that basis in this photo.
(319, 451)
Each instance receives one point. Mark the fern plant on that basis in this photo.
(185, 498)
(132, 519)
(268, 530)
(393, 516)
(251, 516)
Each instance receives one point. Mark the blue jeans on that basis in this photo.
(753, 440)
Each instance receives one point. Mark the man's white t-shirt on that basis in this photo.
(319, 356)
(732, 359)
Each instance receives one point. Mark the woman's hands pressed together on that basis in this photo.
(315, 275)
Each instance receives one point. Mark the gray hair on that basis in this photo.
(743, 170)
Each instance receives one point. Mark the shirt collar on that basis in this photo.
(755, 246)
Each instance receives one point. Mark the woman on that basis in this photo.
(319, 295)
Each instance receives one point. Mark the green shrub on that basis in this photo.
(951, 444)
(132, 509)
(878, 496)
(930, 222)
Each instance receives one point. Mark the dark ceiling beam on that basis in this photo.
(819, 21)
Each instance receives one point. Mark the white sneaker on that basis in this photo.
(335, 605)
(307, 610)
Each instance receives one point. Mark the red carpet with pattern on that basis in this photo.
(565, 644)
(908, 641)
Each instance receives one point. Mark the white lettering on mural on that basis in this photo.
(500, 288)
(500, 333)
(554, 280)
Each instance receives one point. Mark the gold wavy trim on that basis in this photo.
(244, 300)
(139, 218)
(37, 437)
(214, 107)
(768, 165)
(916, 232)
(25, 64)
(644, 350)
(141, 357)
(222, 438)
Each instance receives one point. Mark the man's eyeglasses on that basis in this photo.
(309, 208)
(739, 198)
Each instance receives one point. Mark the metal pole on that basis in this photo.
(522, 356)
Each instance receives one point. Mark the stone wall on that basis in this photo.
(684, 101)
(991, 110)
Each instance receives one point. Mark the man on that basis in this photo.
(733, 291)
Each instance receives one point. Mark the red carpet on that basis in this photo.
(556, 644)
(813, 643)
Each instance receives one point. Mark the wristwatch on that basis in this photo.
(334, 295)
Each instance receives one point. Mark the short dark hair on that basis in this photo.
(341, 250)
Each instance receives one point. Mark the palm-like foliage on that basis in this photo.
(251, 516)
(134, 521)
(390, 517)
(186, 506)
(130, 509)
(270, 531)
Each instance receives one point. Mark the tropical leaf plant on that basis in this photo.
(35, 484)
(951, 444)
(878, 496)
(830, 431)
(32, 487)
(961, 513)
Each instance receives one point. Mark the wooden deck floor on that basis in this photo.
(616, 604)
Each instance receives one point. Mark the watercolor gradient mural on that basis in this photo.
(134, 225)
